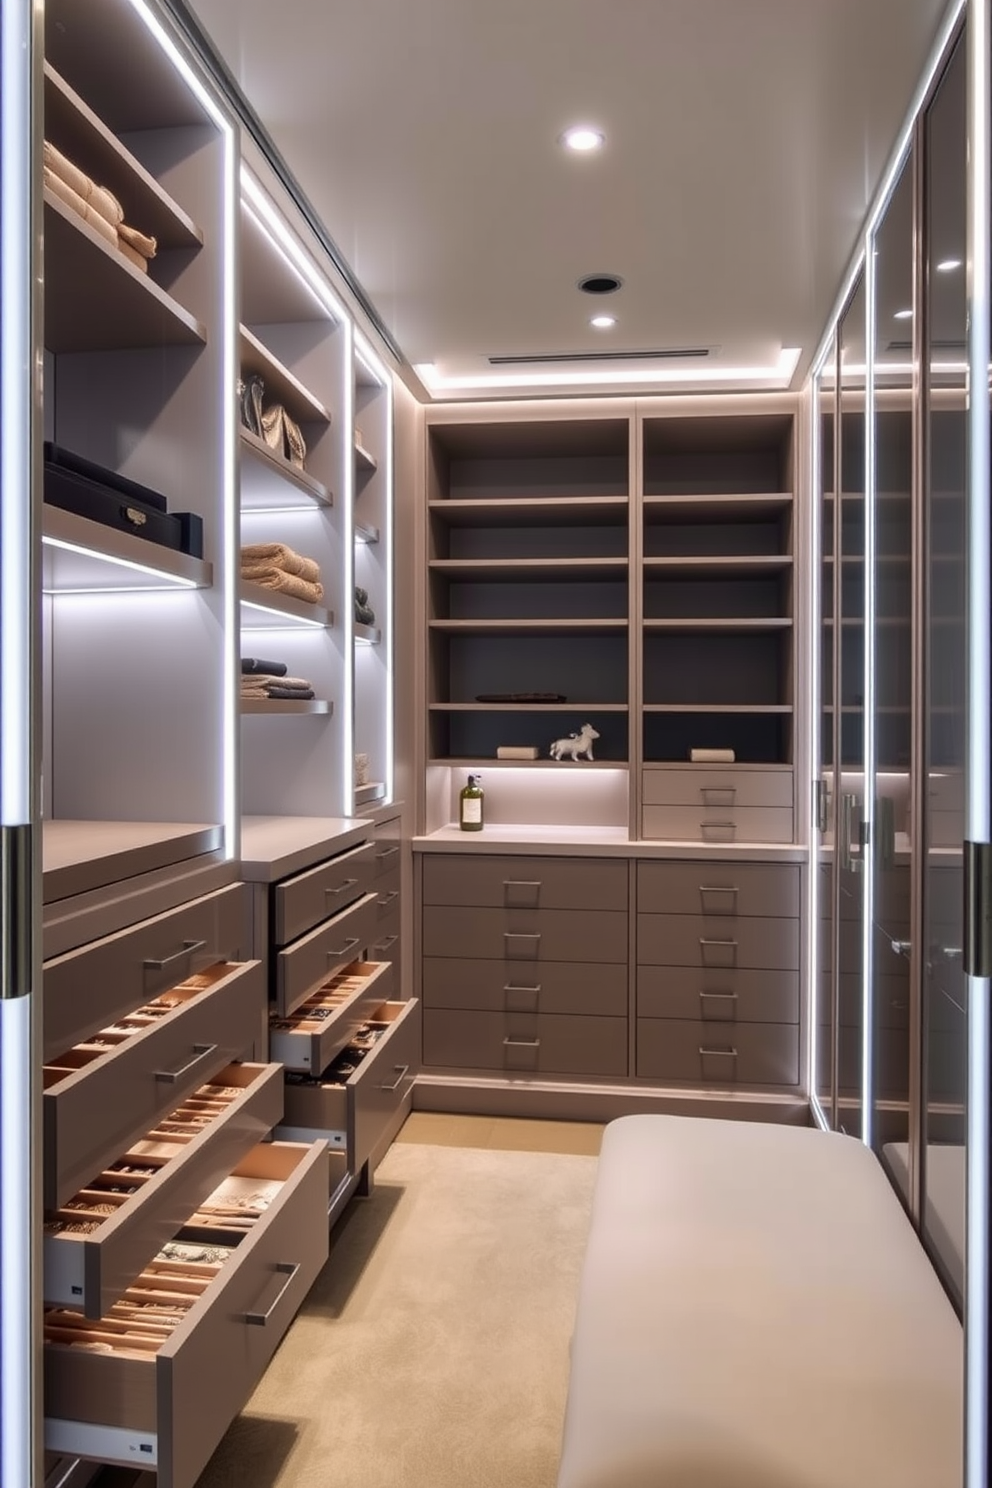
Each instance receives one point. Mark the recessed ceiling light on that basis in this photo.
(582, 138)
(603, 322)
(599, 284)
(948, 265)
(903, 315)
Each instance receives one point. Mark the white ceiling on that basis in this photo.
(745, 140)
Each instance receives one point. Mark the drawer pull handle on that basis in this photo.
(516, 987)
(522, 883)
(387, 852)
(703, 942)
(383, 945)
(718, 795)
(717, 1053)
(534, 935)
(719, 889)
(349, 944)
(348, 883)
(203, 1051)
(519, 1043)
(290, 1269)
(388, 898)
(403, 1068)
(723, 996)
(190, 947)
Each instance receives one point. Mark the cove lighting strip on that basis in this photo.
(771, 377)
(813, 750)
(868, 806)
(268, 220)
(167, 582)
(289, 622)
(374, 367)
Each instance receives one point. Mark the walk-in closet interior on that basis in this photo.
(712, 625)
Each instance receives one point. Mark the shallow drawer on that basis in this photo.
(96, 1100)
(528, 1043)
(717, 785)
(166, 1410)
(86, 989)
(387, 847)
(526, 883)
(708, 940)
(362, 1112)
(719, 888)
(90, 1271)
(526, 935)
(718, 1053)
(500, 986)
(321, 1027)
(303, 966)
(304, 901)
(718, 824)
(717, 996)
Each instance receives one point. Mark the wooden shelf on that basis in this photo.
(535, 511)
(518, 570)
(78, 856)
(271, 483)
(741, 708)
(366, 533)
(695, 510)
(74, 129)
(279, 610)
(485, 761)
(275, 707)
(95, 300)
(281, 386)
(717, 567)
(729, 626)
(367, 635)
(80, 556)
(364, 460)
(576, 707)
(517, 626)
(374, 791)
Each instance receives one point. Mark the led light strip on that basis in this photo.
(167, 581)
(289, 622)
(772, 377)
(868, 787)
(268, 220)
(366, 356)
(813, 747)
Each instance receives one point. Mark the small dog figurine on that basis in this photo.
(575, 744)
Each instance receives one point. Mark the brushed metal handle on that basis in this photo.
(723, 996)
(717, 1053)
(399, 1078)
(388, 899)
(290, 1269)
(517, 987)
(518, 1043)
(383, 945)
(714, 795)
(348, 883)
(848, 804)
(190, 947)
(387, 852)
(348, 945)
(526, 944)
(719, 889)
(203, 1051)
(522, 883)
(704, 942)
(725, 905)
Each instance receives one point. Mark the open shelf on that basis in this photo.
(578, 707)
(263, 609)
(536, 511)
(80, 556)
(95, 300)
(728, 626)
(477, 761)
(524, 627)
(280, 384)
(364, 460)
(367, 635)
(717, 708)
(366, 533)
(686, 509)
(282, 706)
(269, 482)
(373, 791)
(517, 570)
(727, 567)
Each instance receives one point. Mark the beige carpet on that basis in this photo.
(433, 1350)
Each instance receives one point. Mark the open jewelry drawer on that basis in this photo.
(302, 967)
(156, 1382)
(321, 1027)
(102, 1093)
(359, 1102)
(98, 1237)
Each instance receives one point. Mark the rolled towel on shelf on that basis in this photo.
(284, 583)
(278, 555)
(132, 255)
(82, 209)
(255, 665)
(97, 198)
(291, 694)
(138, 242)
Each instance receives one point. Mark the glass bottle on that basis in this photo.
(470, 805)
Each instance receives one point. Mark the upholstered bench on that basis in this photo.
(755, 1311)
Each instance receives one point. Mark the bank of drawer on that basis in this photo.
(362, 1113)
(90, 1271)
(719, 888)
(387, 945)
(755, 941)
(308, 1040)
(309, 961)
(525, 1043)
(305, 900)
(499, 986)
(93, 1111)
(717, 1053)
(165, 1412)
(690, 992)
(87, 989)
(386, 857)
(526, 935)
(718, 824)
(525, 883)
(717, 786)
(387, 892)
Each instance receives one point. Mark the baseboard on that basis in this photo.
(458, 1095)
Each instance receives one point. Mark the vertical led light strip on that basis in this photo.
(868, 776)
(348, 541)
(813, 761)
(379, 372)
(978, 591)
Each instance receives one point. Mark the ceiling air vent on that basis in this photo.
(934, 346)
(681, 353)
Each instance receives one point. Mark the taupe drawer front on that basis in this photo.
(711, 941)
(387, 946)
(718, 1053)
(387, 891)
(717, 996)
(719, 888)
(717, 785)
(303, 966)
(167, 1411)
(526, 883)
(502, 986)
(87, 989)
(90, 1271)
(718, 824)
(310, 1041)
(92, 1113)
(387, 847)
(363, 1113)
(304, 901)
(526, 935)
(530, 1043)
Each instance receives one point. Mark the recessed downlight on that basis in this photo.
(582, 138)
(903, 315)
(603, 322)
(948, 265)
(600, 284)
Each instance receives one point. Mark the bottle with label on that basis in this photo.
(470, 805)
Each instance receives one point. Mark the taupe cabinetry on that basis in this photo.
(525, 964)
(387, 943)
(718, 956)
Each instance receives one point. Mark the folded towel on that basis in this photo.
(277, 555)
(72, 199)
(132, 255)
(139, 241)
(102, 201)
(291, 694)
(253, 664)
(284, 583)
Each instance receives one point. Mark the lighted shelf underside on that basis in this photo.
(364, 460)
(718, 566)
(281, 385)
(742, 708)
(265, 609)
(276, 707)
(270, 482)
(80, 556)
(577, 707)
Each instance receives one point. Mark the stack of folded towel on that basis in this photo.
(97, 206)
(274, 566)
(268, 679)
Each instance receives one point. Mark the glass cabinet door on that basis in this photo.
(823, 1075)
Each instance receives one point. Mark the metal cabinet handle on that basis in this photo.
(518, 1043)
(383, 945)
(388, 899)
(902, 948)
(190, 947)
(387, 852)
(848, 803)
(348, 883)
(522, 883)
(717, 1053)
(723, 996)
(704, 942)
(349, 943)
(516, 987)
(290, 1269)
(719, 889)
(202, 1051)
(403, 1068)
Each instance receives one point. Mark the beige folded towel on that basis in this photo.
(82, 209)
(139, 241)
(132, 255)
(277, 555)
(99, 198)
(259, 681)
(284, 583)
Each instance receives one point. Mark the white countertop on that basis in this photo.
(78, 856)
(560, 841)
(274, 846)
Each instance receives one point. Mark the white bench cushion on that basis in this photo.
(755, 1311)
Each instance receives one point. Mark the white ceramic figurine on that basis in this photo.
(575, 744)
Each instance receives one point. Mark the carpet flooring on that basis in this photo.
(432, 1352)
